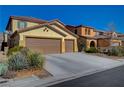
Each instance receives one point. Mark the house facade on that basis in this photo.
(56, 37)
(40, 35)
(90, 37)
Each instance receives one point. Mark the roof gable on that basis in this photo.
(63, 27)
(28, 19)
(39, 26)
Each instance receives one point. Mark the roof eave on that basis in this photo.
(53, 22)
(39, 26)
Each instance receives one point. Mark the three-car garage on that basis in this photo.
(49, 45)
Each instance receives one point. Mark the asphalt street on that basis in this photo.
(109, 78)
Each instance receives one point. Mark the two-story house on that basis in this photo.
(40, 35)
(90, 37)
(87, 36)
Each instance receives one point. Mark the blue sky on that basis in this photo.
(100, 17)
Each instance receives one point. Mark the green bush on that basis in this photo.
(13, 50)
(91, 50)
(25, 51)
(116, 51)
(3, 68)
(35, 60)
(25, 59)
(17, 61)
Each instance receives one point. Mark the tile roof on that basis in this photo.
(31, 19)
(24, 18)
(44, 23)
(85, 26)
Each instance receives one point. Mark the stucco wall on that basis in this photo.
(15, 24)
(43, 34)
(69, 36)
(116, 41)
(88, 41)
(82, 32)
(122, 43)
(103, 42)
(81, 44)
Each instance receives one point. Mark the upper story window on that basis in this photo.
(21, 24)
(101, 33)
(87, 31)
(75, 31)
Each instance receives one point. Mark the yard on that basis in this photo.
(2, 56)
(21, 62)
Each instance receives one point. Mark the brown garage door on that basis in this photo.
(45, 46)
(69, 45)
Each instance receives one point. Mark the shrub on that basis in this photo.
(91, 50)
(3, 68)
(116, 51)
(22, 58)
(13, 50)
(25, 59)
(35, 60)
(17, 61)
(122, 50)
(25, 51)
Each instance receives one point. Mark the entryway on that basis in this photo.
(92, 44)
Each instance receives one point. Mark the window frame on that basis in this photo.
(20, 26)
(88, 31)
(85, 31)
(75, 31)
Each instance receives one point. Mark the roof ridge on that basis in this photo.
(30, 17)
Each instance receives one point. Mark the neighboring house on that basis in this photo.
(87, 36)
(121, 37)
(90, 37)
(40, 35)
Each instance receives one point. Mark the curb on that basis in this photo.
(74, 76)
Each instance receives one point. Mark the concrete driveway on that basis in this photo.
(66, 67)
(74, 63)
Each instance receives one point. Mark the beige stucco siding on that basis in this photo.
(44, 34)
(88, 41)
(38, 33)
(116, 41)
(15, 24)
(69, 36)
(81, 31)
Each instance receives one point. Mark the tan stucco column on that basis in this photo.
(87, 44)
(22, 40)
(63, 45)
(75, 46)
